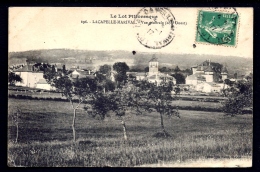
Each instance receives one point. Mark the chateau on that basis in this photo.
(207, 72)
(208, 77)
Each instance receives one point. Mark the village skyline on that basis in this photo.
(138, 60)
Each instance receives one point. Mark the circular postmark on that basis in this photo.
(217, 26)
(154, 27)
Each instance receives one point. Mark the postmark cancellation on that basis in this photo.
(156, 29)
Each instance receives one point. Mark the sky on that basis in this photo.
(33, 28)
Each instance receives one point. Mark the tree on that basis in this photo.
(187, 71)
(102, 104)
(226, 83)
(127, 97)
(109, 85)
(131, 77)
(163, 69)
(15, 118)
(176, 69)
(13, 78)
(180, 79)
(162, 102)
(235, 75)
(240, 97)
(177, 90)
(76, 91)
(146, 69)
(64, 69)
(53, 68)
(104, 83)
(105, 69)
(50, 74)
(122, 101)
(121, 68)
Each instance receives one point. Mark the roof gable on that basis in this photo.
(42, 81)
(154, 59)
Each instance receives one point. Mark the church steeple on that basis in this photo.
(153, 66)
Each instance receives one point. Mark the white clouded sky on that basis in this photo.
(50, 28)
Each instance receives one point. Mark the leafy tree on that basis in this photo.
(180, 79)
(162, 102)
(163, 69)
(131, 78)
(226, 83)
(109, 85)
(53, 68)
(105, 69)
(76, 91)
(249, 77)
(136, 69)
(176, 69)
(240, 97)
(177, 90)
(122, 102)
(121, 68)
(50, 75)
(41, 66)
(13, 78)
(100, 77)
(104, 83)
(102, 104)
(146, 69)
(128, 97)
(235, 75)
(187, 71)
(64, 69)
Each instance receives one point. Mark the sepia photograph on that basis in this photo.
(130, 87)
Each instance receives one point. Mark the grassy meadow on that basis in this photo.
(45, 137)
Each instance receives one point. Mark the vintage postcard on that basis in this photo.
(130, 87)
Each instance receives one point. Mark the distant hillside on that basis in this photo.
(140, 59)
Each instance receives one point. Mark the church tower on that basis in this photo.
(153, 66)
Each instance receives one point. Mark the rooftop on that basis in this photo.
(42, 81)
(154, 59)
(140, 74)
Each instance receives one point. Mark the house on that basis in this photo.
(30, 76)
(208, 87)
(77, 73)
(195, 79)
(140, 75)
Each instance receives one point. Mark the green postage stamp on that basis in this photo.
(218, 28)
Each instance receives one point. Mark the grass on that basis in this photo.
(46, 134)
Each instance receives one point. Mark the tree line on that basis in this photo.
(100, 95)
(104, 95)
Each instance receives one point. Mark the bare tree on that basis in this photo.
(15, 118)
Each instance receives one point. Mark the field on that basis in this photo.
(45, 137)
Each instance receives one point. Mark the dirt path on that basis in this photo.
(243, 162)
